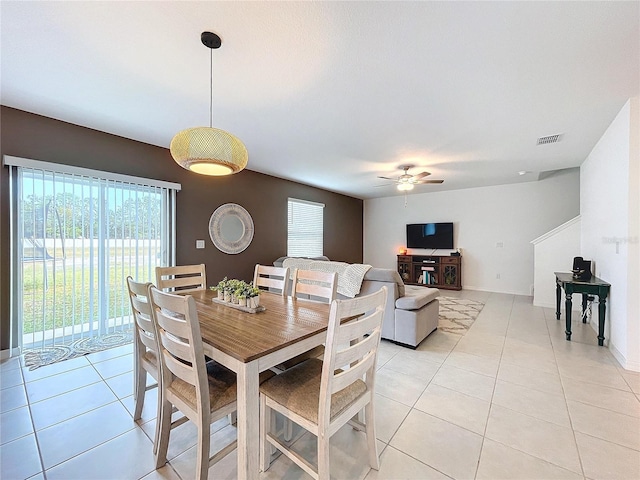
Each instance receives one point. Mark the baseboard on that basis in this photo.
(479, 289)
(13, 352)
(624, 363)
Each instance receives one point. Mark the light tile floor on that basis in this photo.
(509, 400)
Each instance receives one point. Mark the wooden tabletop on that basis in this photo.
(568, 278)
(248, 336)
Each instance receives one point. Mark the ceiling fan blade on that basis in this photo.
(419, 182)
(420, 175)
(387, 178)
(383, 185)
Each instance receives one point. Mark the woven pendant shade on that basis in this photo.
(209, 151)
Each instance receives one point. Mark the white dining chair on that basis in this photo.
(323, 395)
(314, 285)
(204, 393)
(271, 279)
(182, 278)
(145, 348)
(310, 285)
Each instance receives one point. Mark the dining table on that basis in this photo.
(249, 343)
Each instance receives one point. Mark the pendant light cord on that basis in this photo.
(211, 88)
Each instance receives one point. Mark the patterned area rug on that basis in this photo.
(457, 314)
(39, 357)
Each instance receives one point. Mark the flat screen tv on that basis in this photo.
(430, 235)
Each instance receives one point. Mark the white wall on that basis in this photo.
(483, 217)
(550, 254)
(609, 210)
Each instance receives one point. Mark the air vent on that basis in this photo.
(549, 139)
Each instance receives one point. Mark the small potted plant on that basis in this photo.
(220, 288)
(253, 296)
(233, 288)
(228, 290)
(241, 293)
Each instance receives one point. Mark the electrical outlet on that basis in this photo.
(497, 276)
(499, 244)
(199, 243)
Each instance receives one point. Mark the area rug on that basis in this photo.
(39, 357)
(457, 314)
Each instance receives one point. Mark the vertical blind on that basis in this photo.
(76, 236)
(305, 228)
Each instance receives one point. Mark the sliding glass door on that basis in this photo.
(76, 239)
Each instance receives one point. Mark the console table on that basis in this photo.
(439, 271)
(593, 286)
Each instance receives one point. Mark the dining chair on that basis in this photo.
(323, 395)
(271, 279)
(145, 348)
(181, 279)
(310, 285)
(204, 393)
(314, 285)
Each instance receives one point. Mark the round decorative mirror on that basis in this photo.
(231, 228)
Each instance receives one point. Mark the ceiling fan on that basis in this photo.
(407, 182)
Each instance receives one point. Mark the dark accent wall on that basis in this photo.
(265, 198)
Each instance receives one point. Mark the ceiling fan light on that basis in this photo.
(209, 151)
(403, 187)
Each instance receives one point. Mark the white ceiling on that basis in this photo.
(333, 94)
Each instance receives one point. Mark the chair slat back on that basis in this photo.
(141, 310)
(348, 348)
(181, 279)
(270, 278)
(319, 286)
(181, 349)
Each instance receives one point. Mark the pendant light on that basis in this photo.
(208, 150)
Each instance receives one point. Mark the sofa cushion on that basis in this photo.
(416, 297)
(386, 275)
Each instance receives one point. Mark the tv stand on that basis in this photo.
(438, 271)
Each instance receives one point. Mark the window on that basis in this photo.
(76, 236)
(305, 228)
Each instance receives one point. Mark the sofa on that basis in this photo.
(411, 313)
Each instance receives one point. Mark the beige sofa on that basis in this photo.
(411, 313)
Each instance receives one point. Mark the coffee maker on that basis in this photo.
(581, 268)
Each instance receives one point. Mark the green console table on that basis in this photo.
(593, 286)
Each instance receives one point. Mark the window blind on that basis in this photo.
(305, 228)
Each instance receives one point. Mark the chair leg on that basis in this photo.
(163, 433)
(204, 441)
(139, 388)
(266, 416)
(370, 428)
(267, 424)
(159, 413)
(288, 430)
(272, 428)
(323, 455)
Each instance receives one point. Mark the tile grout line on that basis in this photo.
(495, 383)
(564, 394)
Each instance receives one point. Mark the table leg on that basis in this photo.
(557, 301)
(568, 307)
(248, 421)
(602, 308)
